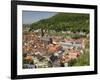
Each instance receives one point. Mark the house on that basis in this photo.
(46, 40)
(71, 43)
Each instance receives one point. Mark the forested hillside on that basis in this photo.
(64, 22)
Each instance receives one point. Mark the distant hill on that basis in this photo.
(64, 22)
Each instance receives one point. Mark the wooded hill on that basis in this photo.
(63, 22)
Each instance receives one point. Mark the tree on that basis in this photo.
(62, 22)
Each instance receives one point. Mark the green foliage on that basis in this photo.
(82, 60)
(75, 36)
(64, 22)
(72, 62)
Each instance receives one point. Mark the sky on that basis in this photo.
(29, 17)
